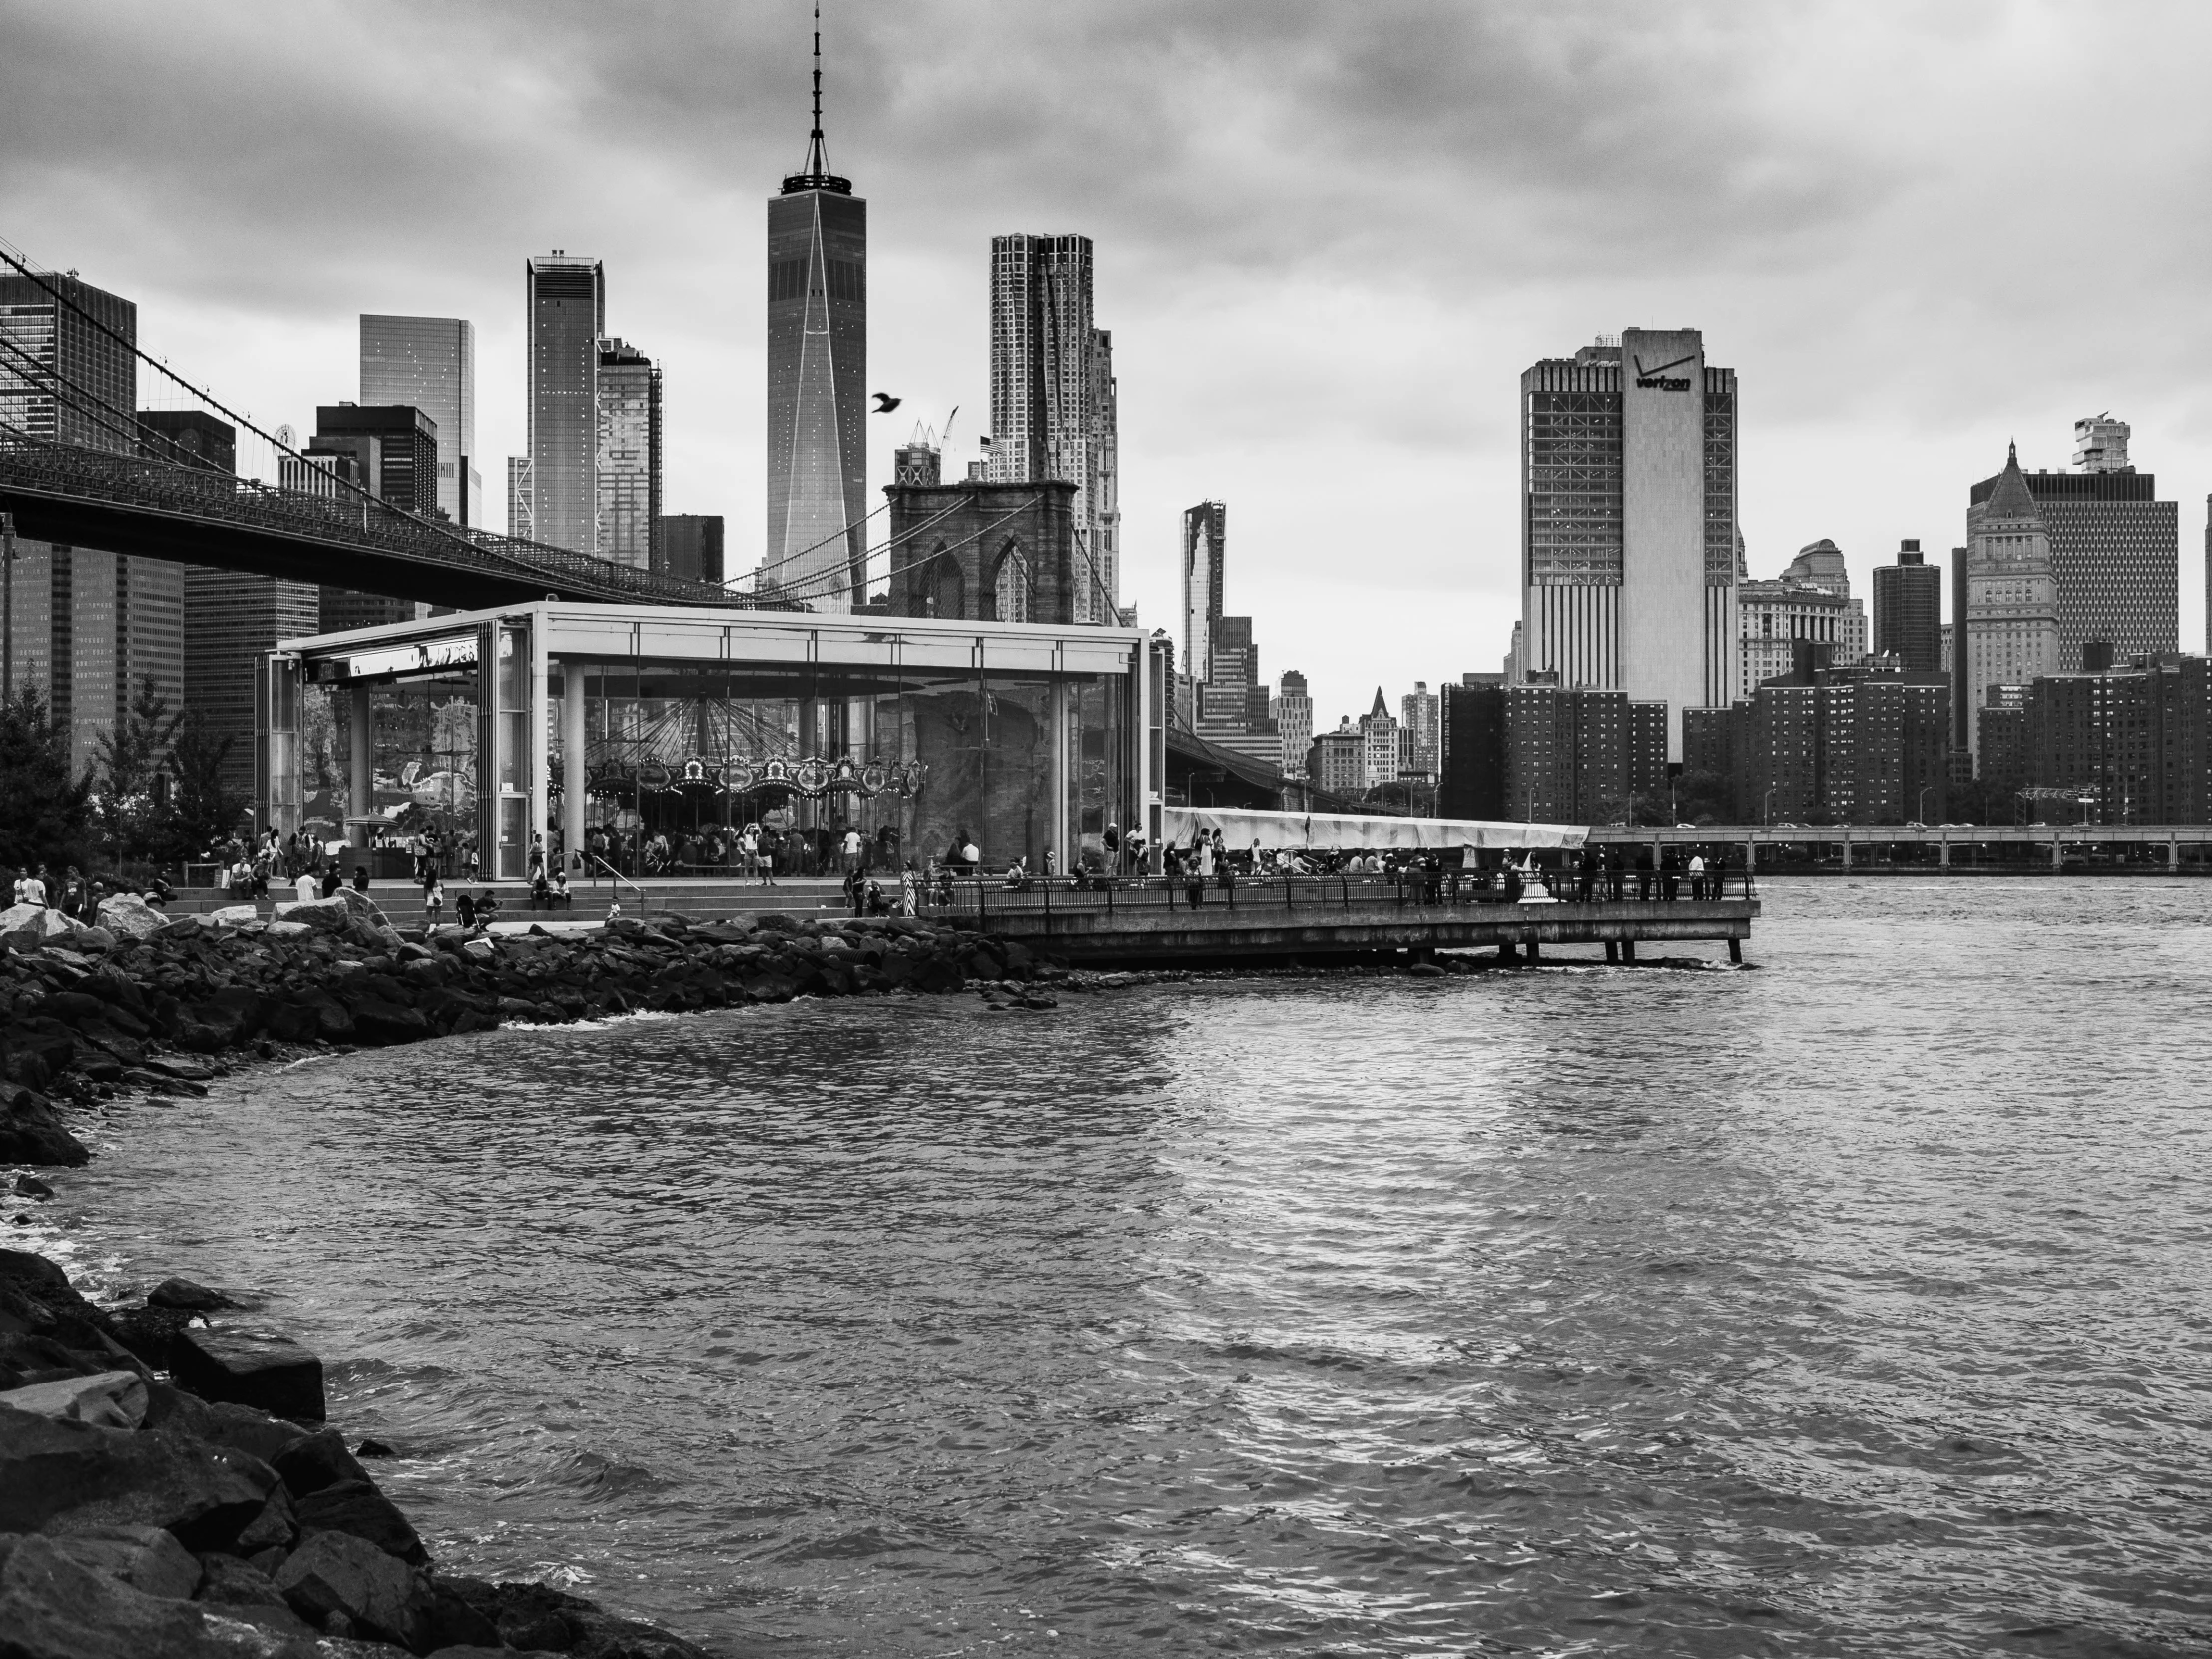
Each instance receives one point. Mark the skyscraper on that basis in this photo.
(1810, 600)
(2116, 549)
(88, 626)
(429, 363)
(85, 337)
(1205, 546)
(629, 456)
(817, 383)
(1629, 530)
(230, 617)
(1293, 721)
(1423, 713)
(1052, 396)
(691, 548)
(391, 450)
(565, 311)
(1909, 611)
(2012, 615)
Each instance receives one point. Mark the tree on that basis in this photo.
(202, 808)
(130, 756)
(1706, 797)
(45, 813)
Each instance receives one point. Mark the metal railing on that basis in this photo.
(68, 473)
(620, 880)
(986, 897)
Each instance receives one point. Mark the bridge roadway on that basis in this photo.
(1969, 839)
(128, 504)
(1325, 919)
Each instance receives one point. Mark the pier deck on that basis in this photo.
(1318, 921)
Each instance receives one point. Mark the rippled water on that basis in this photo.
(1856, 1303)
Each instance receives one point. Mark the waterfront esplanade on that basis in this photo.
(553, 717)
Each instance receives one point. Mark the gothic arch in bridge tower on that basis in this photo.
(943, 591)
(1012, 588)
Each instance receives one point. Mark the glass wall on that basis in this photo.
(682, 758)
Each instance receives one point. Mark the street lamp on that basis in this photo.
(1921, 811)
(1766, 812)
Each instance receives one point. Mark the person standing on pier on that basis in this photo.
(1697, 874)
(1586, 875)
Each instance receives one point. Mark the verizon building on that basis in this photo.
(1628, 522)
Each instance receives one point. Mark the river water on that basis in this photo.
(1851, 1302)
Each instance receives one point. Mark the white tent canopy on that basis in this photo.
(1365, 832)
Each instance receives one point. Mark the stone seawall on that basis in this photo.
(88, 1012)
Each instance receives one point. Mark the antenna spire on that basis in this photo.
(816, 174)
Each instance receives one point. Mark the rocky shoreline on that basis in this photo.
(169, 1490)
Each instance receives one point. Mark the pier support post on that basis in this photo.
(1751, 857)
(573, 759)
(1612, 950)
(1507, 952)
(1736, 950)
(2057, 854)
(1846, 851)
(1943, 855)
(361, 772)
(2174, 855)
(1533, 951)
(1628, 950)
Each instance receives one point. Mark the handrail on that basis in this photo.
(591, 858)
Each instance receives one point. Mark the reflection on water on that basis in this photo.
(1849, 1306)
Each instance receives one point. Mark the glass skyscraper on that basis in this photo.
(565, 310)
(817, 548)
(429, 362)
(629, 456)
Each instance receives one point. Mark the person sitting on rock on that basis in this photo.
(487, 910)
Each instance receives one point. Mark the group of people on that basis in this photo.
(1603, 872)
(75, 895)
(753, 849)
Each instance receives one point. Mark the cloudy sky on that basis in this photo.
(1330, 237)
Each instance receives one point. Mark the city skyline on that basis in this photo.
(1356, 433)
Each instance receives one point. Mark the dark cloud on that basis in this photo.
(1330, 238)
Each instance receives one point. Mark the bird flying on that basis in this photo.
(886, 402)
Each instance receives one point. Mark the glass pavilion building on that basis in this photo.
(558, 718)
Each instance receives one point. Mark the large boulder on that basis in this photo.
(380, 1023)
(315, 1462)
(129, 916)
(55, 1606)
(232, 915)
(323, 915)
(28, 927)
(226, 1581)
(335, 1572)
(143, 1557)
(110, 1398)
(31, 1131)
(61, 1476)
(358, 1508)
(250, 1367)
